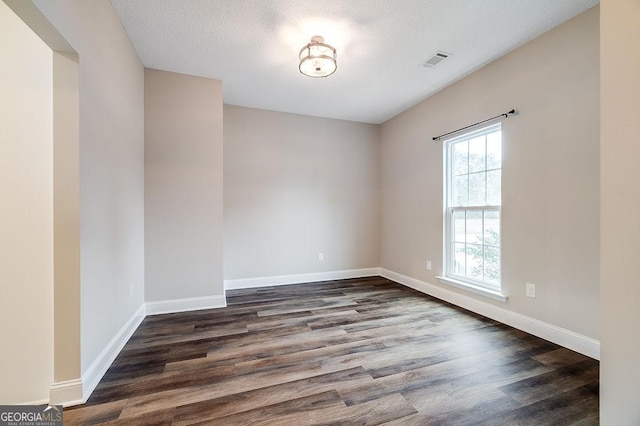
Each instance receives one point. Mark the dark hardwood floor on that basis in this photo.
(359, 351)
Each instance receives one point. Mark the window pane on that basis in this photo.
(459, 259)
(477, 193)
(492, 228)
(474, 227)
(460, 158)
(492, 246)
(494, 188)
(494, 150)
(460, 191)
(492, 264)
(475, 261)
(477, 154)
(459, 233)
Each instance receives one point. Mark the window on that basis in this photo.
(473, 172)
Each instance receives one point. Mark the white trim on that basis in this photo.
(187, 304)
(491, 294)
(300, 278)
(92, 376)
(66, 393)
(561, 336)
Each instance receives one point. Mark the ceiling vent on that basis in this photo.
(435, 59)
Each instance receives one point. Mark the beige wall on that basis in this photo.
(296, 186)
(26, 203)
(620, 210)
(111, 98)
(183, 186)
(66, 218)
(550, 227)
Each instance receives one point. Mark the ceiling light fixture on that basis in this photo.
(318, 59)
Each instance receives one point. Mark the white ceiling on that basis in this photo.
(253, 46)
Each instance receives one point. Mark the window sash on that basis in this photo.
(450, 245)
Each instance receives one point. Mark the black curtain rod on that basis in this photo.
(505, 115)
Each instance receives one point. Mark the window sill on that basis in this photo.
(473, 289)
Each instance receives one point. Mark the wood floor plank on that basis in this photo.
(165, 381)
(162, 417)
(357, 351)
(186, 337)
(185, 395)
(277, 346)
(543, 386)
(244, 401)
(94, 414)
(560, 357)
(489, 406)
(434, 376)
(294, 408)
(369, 413)
(577, 406)
(472, 391)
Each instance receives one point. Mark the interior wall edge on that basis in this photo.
(66, 393)
(39, 24)
(92, 376)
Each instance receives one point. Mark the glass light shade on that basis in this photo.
(318, 59)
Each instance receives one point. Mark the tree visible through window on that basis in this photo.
(473, 198)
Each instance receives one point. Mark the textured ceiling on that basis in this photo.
(253, 45)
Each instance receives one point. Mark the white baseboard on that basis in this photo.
(561, 336)
(299, 278)
(188, 304)
(91, 377)
(66, 393)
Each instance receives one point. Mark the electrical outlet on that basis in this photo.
(531, 290)
(321, 257)
(428, 264)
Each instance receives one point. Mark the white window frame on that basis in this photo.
(491, 290)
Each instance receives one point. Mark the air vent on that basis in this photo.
(435, 59)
